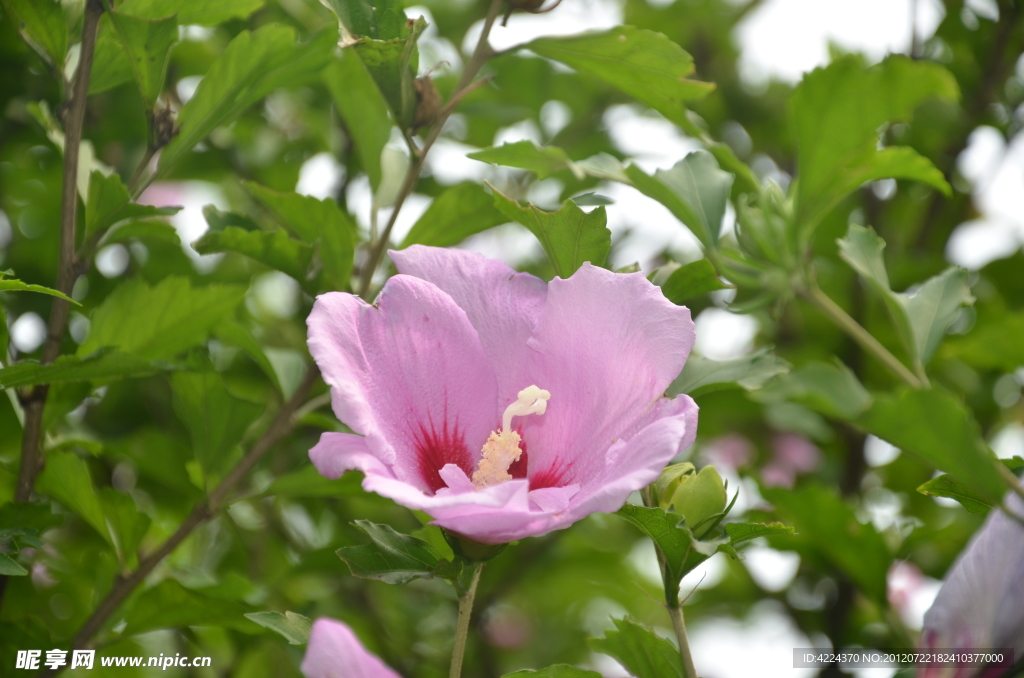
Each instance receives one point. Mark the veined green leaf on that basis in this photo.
(644, 654)
(109, 203)
(146, 44)
(555, 671)
(294, 627)
(702, 375)
(381, 20)
(570, 236)
(393, 558)
(947, 486)
(8, 285)
(453, 216)
(645, 65)
(692, 280)
(542, 161)
(43, 26)
(272, 248)
(66, 478)
(201, 12)
(103, 366)
(832, 390)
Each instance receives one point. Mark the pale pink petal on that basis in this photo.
(503, 305)
(335, 652)
(607, 346)
(554, 499)
(408, 373)
(980, 602)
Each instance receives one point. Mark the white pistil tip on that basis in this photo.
(502, 447)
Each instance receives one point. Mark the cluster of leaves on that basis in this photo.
(173, 373)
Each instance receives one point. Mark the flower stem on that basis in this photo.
(841, 318)
(462, 627)
(676, 613)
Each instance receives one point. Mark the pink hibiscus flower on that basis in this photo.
(335, 652)
(503, 406)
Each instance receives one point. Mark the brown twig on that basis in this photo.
(481, 54)
(280, 427)
(34, 402)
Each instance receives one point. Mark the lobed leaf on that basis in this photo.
(461, 211)
(692, 280)
(642, 653)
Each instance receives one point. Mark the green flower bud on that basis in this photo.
(670, 479)
(699, 497)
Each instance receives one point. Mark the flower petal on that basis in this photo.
(408, 373)
(979, 604)
(608, 345)
(335, 652)
(503, 305)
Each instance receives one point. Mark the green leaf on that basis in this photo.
(838, 111)
(236, 334)
(110, 64)
(10, 567)
(252, 65)
(542, 161)
(695, 190)
(307, 482)
(993, 343)
(146, 43)
(127, 525)
(555, 671)
(692, 280)
(570, 236)
(393, 557)
(66, 478)
(393, 64)
(701, 375)
(319, 222)
(362, 107)
(215, 419)
(934, 308)
(294, 627)
(642, 653)
(461, 211)
(42, 24)
(381, 20)
(937, 427)
(102, 366)
(151, 230)
(645, 65)
(743, 532)
(831, 389)
(109, 203)
(272, 248)
(159, 322)
(948, 486)
(169, 605)
(201, 12)
(826, 524)
(7, 285)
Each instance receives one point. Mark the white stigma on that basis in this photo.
(502, 447)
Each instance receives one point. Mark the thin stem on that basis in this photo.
(676, 613)
(481, 54)
(1010, 479)
(280, 427)
(31, 461)
(462, 627)
(867, 341)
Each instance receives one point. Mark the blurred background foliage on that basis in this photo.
(128, 459)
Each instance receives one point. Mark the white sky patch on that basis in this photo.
(878, 452)
(722, 335)
(772, 570)
(320, 176)
(783, 39)
(28, 332)
(190, 223)
(1009, 442)
(651, 141)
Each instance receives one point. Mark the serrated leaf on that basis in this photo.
(831, 389)
(695, 190)
(642, 653)
(542, 161)
(938, 428)
(66, 478)
(294, 627)
(362, 107)
(43, 26)
(645, 65)
(838, 110)
(10, 567)
(8, 285)
(102, 366)
(392, 558)
(381, 20)
(555, 671)
(146, 43)
(570, 236)
(691, 280)
(215, 419)
(393, 64)
(169, 605)
(461, 211)
(200, 12)
(159, 322)
(252, 65)
(702, 375)
(272, 248)
(109, 203)
(947, 486)
(827, 525)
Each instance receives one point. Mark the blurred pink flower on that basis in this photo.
(730, 451)
(457, 346)
(981, 602)
(507, 627)
(335, 652)
(792, 455)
